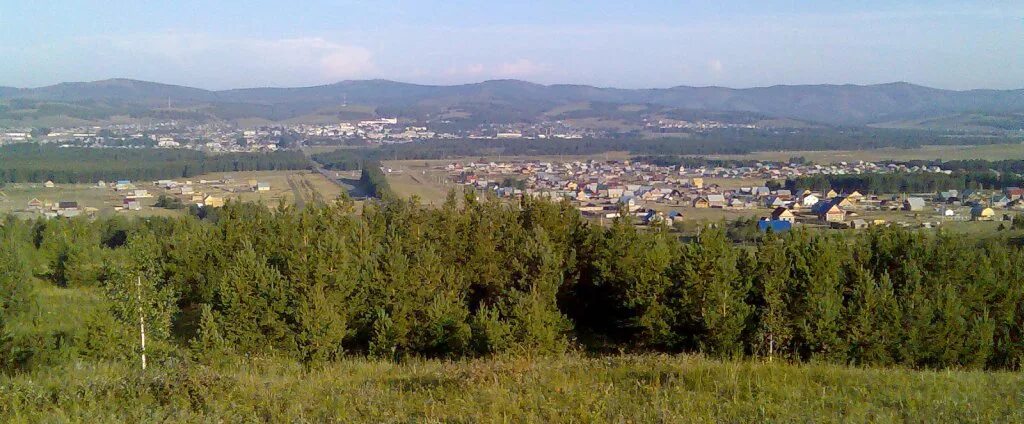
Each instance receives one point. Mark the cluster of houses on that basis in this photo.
(655, 193)
(132, 197)
(67, 209)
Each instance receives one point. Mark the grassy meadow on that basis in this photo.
(571, 388)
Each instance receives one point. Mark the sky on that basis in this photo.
(224, 44)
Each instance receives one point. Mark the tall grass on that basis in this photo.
(644, 388)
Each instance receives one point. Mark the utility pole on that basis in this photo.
(142, 322)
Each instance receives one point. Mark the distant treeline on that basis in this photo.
(38, 163)
(475, 278)
(905, 182)
(346, 159)
(729, 141)
(703, 162)
(1015, 166)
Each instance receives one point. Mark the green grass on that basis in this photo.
(647, 388)
(567, 388)
(57, 310)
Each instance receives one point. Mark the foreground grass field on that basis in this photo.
(562, 389)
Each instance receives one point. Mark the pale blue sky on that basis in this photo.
(230, 44)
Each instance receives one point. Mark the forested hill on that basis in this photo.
(35, 163)
(833, 104)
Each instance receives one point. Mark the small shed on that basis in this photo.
(913, 204)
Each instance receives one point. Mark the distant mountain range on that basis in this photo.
(892, 104)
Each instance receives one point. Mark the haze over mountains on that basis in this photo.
(892, 104)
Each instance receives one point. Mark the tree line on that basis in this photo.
(21, 163)
(1014, 166)
(477, 277)
(904, 182)
(723, 141)
(373, 180)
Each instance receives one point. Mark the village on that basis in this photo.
(163, 197)
(653, 194)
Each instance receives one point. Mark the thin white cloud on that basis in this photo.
(715, 65)
(521, 68)
(233, 62)
(471, 70)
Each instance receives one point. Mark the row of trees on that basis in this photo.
(902, 182)
(374, 182)
(38, 163)
(480, 277)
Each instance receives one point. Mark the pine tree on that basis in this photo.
(135, 284)
(718, 293)
(817, 271)
(770, 276)
(252, 301)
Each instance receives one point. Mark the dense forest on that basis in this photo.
(482, 277)
(39, 163)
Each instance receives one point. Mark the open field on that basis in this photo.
(987, 152)
(287, 186)
(646, 388)
(419, 178)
